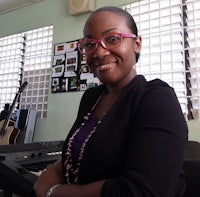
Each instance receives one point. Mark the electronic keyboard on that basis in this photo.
(21, 163)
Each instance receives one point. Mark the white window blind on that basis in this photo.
(170, 31)
(193, 35)
(10, 63)
(26, 57)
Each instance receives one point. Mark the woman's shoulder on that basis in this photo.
(142, 89)
(140, 85)
(153, 84)
(157, 82)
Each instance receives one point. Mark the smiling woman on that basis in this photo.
(124, 128)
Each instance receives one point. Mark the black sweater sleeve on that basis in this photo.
(152, 166)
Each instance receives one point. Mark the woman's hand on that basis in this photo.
(52, 175)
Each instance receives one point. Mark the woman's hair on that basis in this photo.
(129, 19)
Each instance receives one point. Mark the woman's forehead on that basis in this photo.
(103, 21)
(102, 15)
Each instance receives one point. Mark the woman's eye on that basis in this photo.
(89, 45)
(112, 39)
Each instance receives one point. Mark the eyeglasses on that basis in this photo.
(108, 41)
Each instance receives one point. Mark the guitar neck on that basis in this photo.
(6, 122)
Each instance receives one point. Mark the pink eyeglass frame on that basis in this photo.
(99, 41)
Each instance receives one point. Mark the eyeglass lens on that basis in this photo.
(108, 42)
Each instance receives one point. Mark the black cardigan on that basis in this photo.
(139, 145)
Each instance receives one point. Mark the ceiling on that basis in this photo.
(10, 5)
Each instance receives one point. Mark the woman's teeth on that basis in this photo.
(105, 66)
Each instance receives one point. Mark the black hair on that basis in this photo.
(128, 17)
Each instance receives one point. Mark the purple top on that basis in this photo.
(80, 138)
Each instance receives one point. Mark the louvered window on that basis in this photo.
(170, 31)
(26, 57)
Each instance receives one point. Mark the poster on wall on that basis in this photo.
(70, 71)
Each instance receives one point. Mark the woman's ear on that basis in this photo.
(138, 44)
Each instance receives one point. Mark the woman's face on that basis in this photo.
(112, 66)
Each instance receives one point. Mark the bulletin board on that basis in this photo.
(69, 69)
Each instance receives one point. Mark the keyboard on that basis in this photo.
(20, 165)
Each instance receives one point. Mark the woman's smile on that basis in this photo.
(105, 67)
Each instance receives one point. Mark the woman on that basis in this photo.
(129, 136)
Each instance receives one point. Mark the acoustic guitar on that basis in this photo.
(8, 132)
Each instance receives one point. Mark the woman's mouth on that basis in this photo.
(104, 67)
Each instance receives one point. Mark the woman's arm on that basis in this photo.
(52, 175)
(72, 190)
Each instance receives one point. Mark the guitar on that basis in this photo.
(8, 132)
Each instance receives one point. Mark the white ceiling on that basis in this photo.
(10, 5)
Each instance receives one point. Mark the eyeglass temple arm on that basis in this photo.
(129, 35)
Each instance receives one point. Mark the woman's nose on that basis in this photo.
(100, 51)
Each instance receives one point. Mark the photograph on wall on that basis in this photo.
(71, 64)
(70, 71)
(60, 48)
(58, 59)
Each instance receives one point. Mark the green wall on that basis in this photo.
(62, 107)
